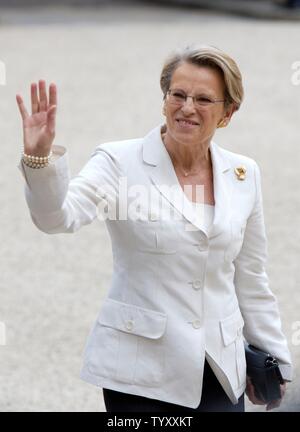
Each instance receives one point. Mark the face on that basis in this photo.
(189, 124)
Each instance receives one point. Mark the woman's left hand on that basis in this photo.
(250, 392)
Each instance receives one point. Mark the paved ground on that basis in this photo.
(106, 63)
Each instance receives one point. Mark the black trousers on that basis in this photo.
(214, 399)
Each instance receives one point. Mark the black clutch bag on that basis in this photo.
(263, 370)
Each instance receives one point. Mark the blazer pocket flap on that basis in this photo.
(132, 319)
(232, 327)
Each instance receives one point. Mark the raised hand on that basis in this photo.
(39, 127)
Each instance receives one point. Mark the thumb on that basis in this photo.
(51, 115)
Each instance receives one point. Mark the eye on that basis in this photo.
(203, 100)
(178, 95)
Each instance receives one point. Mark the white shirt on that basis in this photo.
(205, 215)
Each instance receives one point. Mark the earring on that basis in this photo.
(222, 123)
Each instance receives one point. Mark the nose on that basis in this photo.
(188, 106)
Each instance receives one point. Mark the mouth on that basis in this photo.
(187, 123)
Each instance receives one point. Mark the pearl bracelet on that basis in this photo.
(36, 161)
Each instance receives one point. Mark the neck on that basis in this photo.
(190, 159)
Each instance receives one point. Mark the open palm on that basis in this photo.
(39, 127)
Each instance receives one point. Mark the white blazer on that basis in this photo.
(178, 292)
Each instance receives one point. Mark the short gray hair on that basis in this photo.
(212, 57)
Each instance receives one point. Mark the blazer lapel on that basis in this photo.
(222, 189)
(161, 170)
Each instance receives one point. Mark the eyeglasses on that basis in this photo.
(178, 97)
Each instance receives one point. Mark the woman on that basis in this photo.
(186, 224)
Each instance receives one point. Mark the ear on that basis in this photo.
(228, 113)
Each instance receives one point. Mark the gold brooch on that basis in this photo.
(240, 172)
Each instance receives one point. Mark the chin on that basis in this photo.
(187, 135)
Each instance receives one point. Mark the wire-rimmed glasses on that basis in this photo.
(179, 97)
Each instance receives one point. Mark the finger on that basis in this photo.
(34, 99)
(282, 389)
(51, 115)
(52, 94)
(43, 96)
(251, 390)
(22, 109)
(273, 404)
(252, 395)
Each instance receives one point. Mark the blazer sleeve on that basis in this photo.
(257, 303)
(61, 204)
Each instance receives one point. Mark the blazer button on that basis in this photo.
(202, 245)
(197, 284)
(129, 325)
(196, 323)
